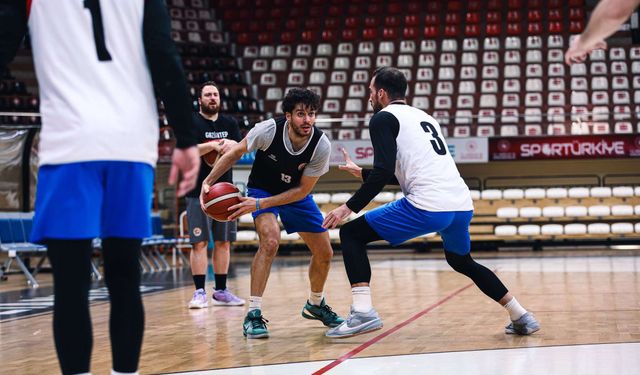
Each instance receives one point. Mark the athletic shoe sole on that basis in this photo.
(215, 302)
(258, 336)
(198, 306)
(366, 328)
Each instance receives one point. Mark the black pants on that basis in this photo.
(71, 264)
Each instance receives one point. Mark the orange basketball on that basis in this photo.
(220, 197)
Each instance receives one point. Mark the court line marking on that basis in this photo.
(367, 344)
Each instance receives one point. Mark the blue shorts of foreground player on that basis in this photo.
(93, 199)
(399, 221)
(301, 216)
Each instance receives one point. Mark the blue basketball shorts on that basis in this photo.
(301, 216)
(93, 199)
(399, 221)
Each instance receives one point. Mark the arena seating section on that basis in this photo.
(481, 67)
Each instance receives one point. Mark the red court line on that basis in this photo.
(367, 344)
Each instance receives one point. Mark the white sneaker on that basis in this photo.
(357, 323)
(199, 300)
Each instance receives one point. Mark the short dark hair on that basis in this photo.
(390, 80)
(298, 95)
(208, 83)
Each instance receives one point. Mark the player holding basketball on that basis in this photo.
(410, 151)
(95, 62)
(218, 133)
(291, 155)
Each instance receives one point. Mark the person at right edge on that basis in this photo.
(410, 151)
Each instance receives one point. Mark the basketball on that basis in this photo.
(220, 197)
(211, 157)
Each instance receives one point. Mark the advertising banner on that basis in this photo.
(565, 147)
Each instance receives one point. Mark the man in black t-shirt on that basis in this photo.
(216, 132)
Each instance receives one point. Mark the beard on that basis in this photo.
(377, 107)
(210, 110)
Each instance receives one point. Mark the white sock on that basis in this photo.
(114, 372)
(315, 298)
(515, 310)
(361, 299)
(255, 303)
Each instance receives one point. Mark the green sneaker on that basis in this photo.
(322, 313)
(255, 325)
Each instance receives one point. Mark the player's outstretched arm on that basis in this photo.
(248, 204)
(605, 20)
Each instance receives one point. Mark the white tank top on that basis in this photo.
(92, 109)
(425, 169)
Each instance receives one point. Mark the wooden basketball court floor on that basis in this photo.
(435, 320)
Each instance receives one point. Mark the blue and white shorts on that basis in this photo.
(93, 199)
(301, 216)
(399, 221)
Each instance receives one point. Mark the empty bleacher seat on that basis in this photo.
(622, 228)
(491, 194)
(384, 197)
(575, 229)
(622, 210)
(340, 198)
(600, 192)
(505, 230)
(530, 212)
(575, 211)
(324, 49)
(622, 191)
(598, 228)
(599, 210)
(475, 194)
(534, 193)
(246, 235)
(553, 211)
(529, 230)
(420, 102)
(578, 192)
(557, 193)
(507, 212)
(551, 229)
(513, 194)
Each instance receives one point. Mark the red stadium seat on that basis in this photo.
(493, 29)
(431, 20)
(389, 33)
(394, 8)
(265, 38)
(554, 15)
(335, 11)
(433, 7)
(309, 36)
(472, 30)
(555, 27)
(576, 3)
(454, 6)
(534, 16)
(328, 35)
(451, 30)
(244, 38)
(375, 9)
(430, 31)
(331, 23)
(371, 21)
(291, 24)
(392, 21)
(554, 3)
(352, 22)
(276, 13)
(514, 4)
(452, 18)
(288, 37)
(576, 14)
(493, 17)
(535, 28)
(513, 29)
(410, 32)
(494, 4)
(369, 33)
(349, 34)
(411, 20)
(473, 5)
(354, 10)
(576, 27)
(414, 7)
(473, 17)
(311, 23)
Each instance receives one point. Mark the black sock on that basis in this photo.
(199, 280)
(126, 321)
(221, 281)
(70, 262)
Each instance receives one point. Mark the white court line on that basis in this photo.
(618, 359)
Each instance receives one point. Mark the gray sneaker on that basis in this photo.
(357, 323)
(525, 325)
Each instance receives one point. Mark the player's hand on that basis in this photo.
(226, 145)
(578, 52)
(350, 166)
(185, 164)
(336, 216)
(247, 205)
(203, 191)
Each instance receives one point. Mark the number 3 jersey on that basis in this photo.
(424, 167)
(277, 167)
(96, 93)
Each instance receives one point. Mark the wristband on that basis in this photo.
(257, 204)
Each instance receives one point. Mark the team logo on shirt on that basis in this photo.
(272, 157)
(301, 166)
(197, 231)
